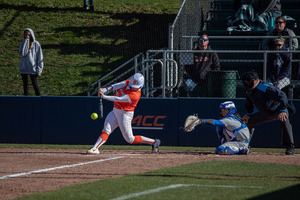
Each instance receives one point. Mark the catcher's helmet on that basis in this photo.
(137, 81)
(228, 105)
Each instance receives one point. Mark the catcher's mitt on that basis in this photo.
(191, 122)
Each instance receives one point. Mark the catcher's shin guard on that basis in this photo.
(225, 151)
(221, 150)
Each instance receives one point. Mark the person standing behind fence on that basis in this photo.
(280, 30)
(203, 63)
(32, 60)
(279, 65)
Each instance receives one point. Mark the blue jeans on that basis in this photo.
(91, 2)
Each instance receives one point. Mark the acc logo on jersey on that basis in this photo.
(148, 122)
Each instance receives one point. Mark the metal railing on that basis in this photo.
(168, 76)
(192, 39)
(140, 64)
(135, 66)
(165, 54)
(168, 67)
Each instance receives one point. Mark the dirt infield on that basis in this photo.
(25, 171)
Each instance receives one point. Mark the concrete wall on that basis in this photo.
(66, 120)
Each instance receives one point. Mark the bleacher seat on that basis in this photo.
(215, 25)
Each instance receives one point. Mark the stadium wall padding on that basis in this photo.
(66, 120)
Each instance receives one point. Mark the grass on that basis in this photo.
(79, 47)
(202, 180)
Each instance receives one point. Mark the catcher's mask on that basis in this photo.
(229, 105)
(137, 81)
(248, 79)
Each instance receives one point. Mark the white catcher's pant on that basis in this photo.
(122, 119)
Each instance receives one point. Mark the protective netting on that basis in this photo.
(196, 17)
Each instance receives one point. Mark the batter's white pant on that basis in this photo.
(120, 118)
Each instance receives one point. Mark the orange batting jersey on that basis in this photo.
(133, 95)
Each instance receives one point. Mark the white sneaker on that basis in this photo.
(155, 146)
(93, 151)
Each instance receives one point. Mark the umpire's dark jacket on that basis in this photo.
(267, 99)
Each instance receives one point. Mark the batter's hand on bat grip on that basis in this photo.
(101, 92)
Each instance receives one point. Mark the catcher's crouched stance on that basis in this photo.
(232, 132)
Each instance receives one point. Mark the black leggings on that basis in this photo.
(34, 84)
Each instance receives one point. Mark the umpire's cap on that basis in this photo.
(250, 76)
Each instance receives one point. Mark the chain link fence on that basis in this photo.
(192, 19)
(171, 74)
(189, 21)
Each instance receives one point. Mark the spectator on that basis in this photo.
(203, 62)
(265, 103)
(258, 18)
(32, 60)
(281, 30)
(85, 5)
(279, 65)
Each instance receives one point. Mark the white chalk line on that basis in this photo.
(178, 186)
(60, 167)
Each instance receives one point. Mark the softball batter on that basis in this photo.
(125, 100)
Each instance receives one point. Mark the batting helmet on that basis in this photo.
(228, 105)
(137, 81)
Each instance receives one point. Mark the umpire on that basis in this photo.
(272, 104)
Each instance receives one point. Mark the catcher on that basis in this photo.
(232, 132)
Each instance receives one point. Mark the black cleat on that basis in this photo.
(290, 150)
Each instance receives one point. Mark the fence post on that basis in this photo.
(147, 74)
(164, 75)
(265, 67)
(290, 42)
